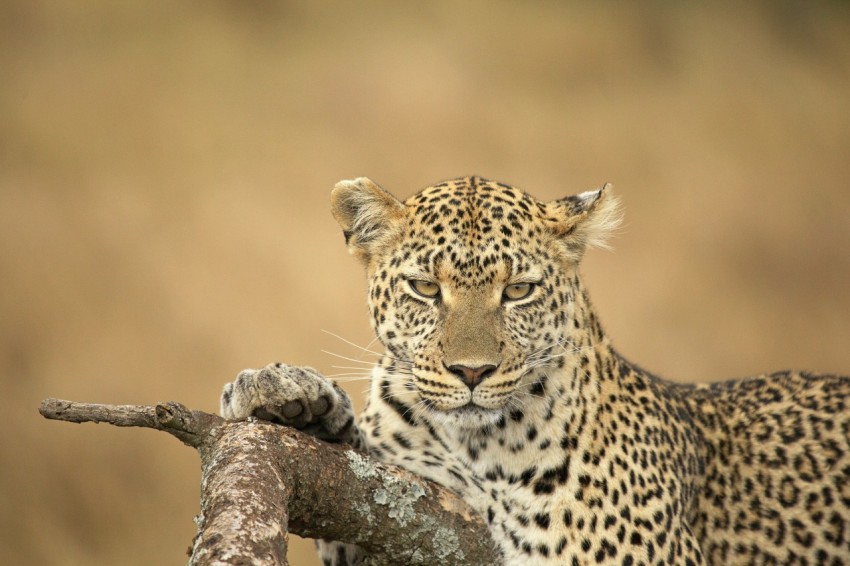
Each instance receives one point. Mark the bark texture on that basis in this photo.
(261, 481)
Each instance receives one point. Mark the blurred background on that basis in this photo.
(164, 177)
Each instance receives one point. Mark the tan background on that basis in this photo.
(164, 178)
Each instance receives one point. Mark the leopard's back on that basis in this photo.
(776, 487)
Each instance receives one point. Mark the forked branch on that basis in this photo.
(261, 480)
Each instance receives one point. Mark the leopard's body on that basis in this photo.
(499, 382)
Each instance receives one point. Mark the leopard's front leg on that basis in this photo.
(302, 398)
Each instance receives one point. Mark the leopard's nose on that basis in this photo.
(472, 376)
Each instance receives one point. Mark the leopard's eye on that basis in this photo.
(517, 291)
(427, 289)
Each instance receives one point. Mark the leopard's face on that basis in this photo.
(471, 290)
(473, 294)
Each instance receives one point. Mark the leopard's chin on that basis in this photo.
(468, 417)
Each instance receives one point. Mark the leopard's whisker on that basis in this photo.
(349, 374)
(352, 367)
(366, 349)
(355, 360)
(350, 343)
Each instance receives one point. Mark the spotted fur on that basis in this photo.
(499, 382)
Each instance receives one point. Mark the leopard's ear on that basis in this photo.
(584, 220)
(367, 214)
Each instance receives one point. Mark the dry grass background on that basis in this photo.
(164, 179)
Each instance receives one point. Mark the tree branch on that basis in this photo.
(261, 480)
(189, 426)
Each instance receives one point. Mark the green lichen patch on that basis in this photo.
(362, 467)
(399, 496)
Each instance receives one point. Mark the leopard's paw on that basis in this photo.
(291, 395)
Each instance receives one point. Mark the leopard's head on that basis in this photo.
(473, 287)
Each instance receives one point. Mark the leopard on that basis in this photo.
(498, 381)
